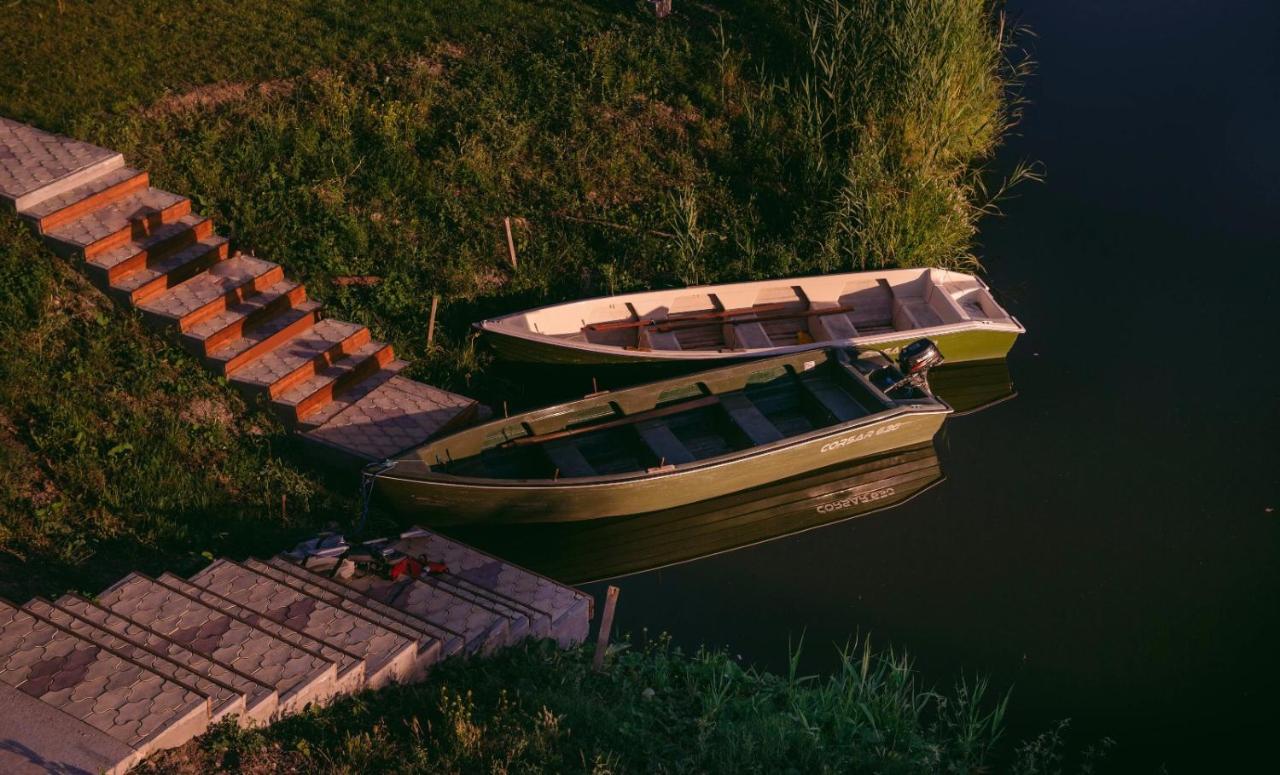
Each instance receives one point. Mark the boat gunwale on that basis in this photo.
(717, 461)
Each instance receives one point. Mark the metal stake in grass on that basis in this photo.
(606, 624)
(431, 323)
(511, 243)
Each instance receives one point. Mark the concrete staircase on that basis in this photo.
(96, 685)
(328, 379)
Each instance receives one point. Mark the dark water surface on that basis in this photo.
(1106, 542)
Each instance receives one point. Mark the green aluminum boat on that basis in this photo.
(671, 443)
(701, 326)
(582, 552)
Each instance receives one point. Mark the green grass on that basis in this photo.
(779, 137)
(537, 709)
(775, 138)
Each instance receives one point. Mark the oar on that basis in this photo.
(708, 316)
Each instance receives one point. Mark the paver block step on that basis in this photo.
(315, 391)
(58, 209)
(557, 611)
(350, 395)
(298, 675)
(144, 283)
(397, 415)
(428, 643)
(132, 704)
(163, 241)
(210, 292)
(222, 700)
(215, 331)
(483, 629)
(350, 666)
(35, 165)
(301, 357)
(387, 655)
(265, 336)
(118, 222)
(260, 699)
(40, 739)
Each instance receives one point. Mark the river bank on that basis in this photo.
(537, 709)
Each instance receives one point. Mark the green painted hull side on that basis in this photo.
(442, 503)
(957, 346)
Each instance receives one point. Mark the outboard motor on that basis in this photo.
(918, 357)
(911, 378)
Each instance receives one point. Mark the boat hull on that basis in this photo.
(444, 501)
(975, 343)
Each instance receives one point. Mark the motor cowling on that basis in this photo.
(918, 357)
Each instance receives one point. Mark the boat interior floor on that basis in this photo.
(781, 316)
(785, 406)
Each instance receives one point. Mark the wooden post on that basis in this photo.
(431, 323)
(284, 507)
(606, 624)
(511, 243)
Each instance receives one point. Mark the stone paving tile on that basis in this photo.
(245, 312)
(52, 204)
(388, 655)
(207, 287)
(451, 641)
(177, 267)
(260, 333)
(349, 675)
(112, 694)
(38, 739)
(399, 414)
(113, 218)
(426, 646)
(365, 356)
(299, 676)
(260, 698)
(353, 394)
(158, 240)
(32, 160)
(222, 700)
(556, 611)
(322, 342)
(483, 629)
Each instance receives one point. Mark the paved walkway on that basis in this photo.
(326, 378)
(96, 685)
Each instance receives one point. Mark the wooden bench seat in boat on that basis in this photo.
(834, 327)
(750, 419)
(652, 339)
(664, 444)
(833, 398)
(749, 336)
(567, 458)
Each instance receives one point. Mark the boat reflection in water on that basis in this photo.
(579, 552)
(973, 386)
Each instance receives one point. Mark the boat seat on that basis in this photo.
(834, 327)
(566, 457)
(750, 419)
(659, 340)
(750, 336)
(664, 444)
(834, 399)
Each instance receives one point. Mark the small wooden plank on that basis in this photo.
(750, 419)
(664, 444)
(567, 458)
(831, 397)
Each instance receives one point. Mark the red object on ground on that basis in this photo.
(406, 567)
